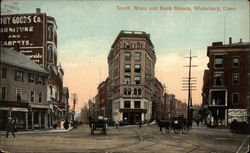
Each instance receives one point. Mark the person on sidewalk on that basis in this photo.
(197, 121)
(10, 128)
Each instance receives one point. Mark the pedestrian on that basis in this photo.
(197, 121)
(10, 128)
(116, 124)
(140, 124)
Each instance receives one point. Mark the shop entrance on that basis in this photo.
(131, 117)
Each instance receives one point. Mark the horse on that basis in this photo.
(164, 124)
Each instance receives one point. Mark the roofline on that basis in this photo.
(47, 73)
(133, 34)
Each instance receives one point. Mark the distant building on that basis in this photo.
(226, 83)
(65, 104)
(23, 91)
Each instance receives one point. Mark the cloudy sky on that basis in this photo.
(87, 29)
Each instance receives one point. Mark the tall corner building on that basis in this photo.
(131, 63)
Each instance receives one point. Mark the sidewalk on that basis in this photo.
(41, 131)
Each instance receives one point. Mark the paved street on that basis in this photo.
(127, 139)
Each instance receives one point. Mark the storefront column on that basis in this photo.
(27, 121)
(121, 116)
(142, 117)
(45, 120)
(32, 120)
(39, 120)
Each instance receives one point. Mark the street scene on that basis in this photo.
(128, 139)
(125, 76)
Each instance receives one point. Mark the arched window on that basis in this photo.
(50, 53)
(129, 91)
(125, 91)
(50, 33)
(135, 91)
(50, 89)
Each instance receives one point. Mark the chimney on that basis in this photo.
(230, 40)
(38, 10)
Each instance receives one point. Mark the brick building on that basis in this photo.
(131, 73)
(226, 83)
(35, 35)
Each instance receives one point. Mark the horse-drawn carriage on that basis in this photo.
(99, 125)
(176, 123)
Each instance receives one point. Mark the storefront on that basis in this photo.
(133, 116)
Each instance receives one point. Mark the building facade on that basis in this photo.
(131, 73)
(226, 83)
(23, 91)
(35, 35)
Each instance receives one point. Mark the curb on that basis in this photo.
(39, 131)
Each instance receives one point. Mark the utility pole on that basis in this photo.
(188, 84)
(74, 99)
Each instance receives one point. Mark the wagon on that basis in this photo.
(99, 125)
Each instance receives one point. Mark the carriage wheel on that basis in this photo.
(177, 130)
(168, 129)
(185, 129)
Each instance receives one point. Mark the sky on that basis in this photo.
(87, 29)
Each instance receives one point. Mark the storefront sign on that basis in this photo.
(27, 31)
(237, 114)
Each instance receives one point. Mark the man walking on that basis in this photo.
(10, 128)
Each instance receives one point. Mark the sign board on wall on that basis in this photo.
(239, 114)
(27, 30)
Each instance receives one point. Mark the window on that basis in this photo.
(127, 56)
(236, 62)
(218, 78)
(50, 53)
(127, 45)
(137, 80)
(32, 96)
(125, 91)
(50, 33)
(138, 45)
(3, 93)
(50, 89)
(40, 97)
(218, 61)
(4, 72)
(127, 67)
(137, 104)
(236, 78)
(235, 98)
(18, 95)
(135, 91)
(137, 56)
(31, 77)
(127, 80)
(137, 68)
(129, 91)
(139, 91)
(40, 79)
(19, 76)
(126, 104)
